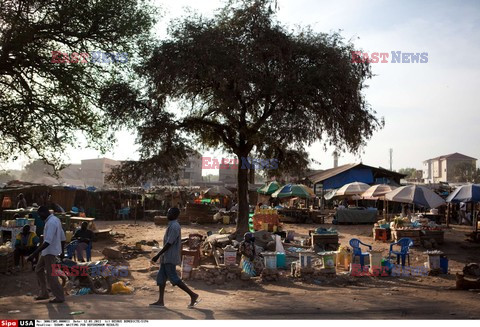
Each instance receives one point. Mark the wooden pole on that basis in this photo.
(448, 214)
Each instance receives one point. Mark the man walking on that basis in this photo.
(171, 257)
(52, 246)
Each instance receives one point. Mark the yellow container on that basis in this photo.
(347, 261)
(265, 226)
(226, 220)
(68, 236)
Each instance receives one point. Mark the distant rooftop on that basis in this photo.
(329, 173)
(455, 155)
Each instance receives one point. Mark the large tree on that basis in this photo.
(244, 83)
(42, 103)
(466, 172)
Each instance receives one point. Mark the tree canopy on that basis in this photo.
(244, 83)
(43, 104)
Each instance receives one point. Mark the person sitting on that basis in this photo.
(25, 244)
(22, 203)
(251, 262)
(82, 237)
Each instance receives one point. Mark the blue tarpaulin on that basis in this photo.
(363, 175)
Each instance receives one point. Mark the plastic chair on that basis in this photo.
(357, 251)
(71, 247)
(405, 244)
(124, 213)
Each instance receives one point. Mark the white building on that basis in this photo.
(191, 172)
(442, 169)
(94, 171)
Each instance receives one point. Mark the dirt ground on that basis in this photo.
(343, 297)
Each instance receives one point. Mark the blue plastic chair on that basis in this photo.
(357, 251)
(71, 247)
(405, 244)
(124, 213)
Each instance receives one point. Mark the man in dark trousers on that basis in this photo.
(52, 246)
(171, 257)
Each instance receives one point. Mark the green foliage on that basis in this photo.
(466, 173)
(246, 84)
(44, 104)
(410, 172)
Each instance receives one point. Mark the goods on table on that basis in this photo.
(266, 219)
(420, 230)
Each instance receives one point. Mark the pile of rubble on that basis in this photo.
(270, 275)
(218, 275)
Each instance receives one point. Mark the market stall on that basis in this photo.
(356, 215)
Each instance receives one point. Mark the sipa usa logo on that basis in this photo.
(393, 57)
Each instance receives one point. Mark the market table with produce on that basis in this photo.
(420, 230)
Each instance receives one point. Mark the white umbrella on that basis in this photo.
(376, 191)
(418, 195)
(355, 188)
(218, 191)
(330, 194)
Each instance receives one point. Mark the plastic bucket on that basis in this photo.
(444, 264)
(270, 260)
(433, 261)
(281, 260)
(187, 264)
(375, 260)
(328, 261)
(230, 258)
(21, 222)
(305, 259)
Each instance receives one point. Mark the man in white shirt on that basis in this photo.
(52, 246)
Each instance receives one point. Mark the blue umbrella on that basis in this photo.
(465, 193)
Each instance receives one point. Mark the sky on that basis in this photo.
(430, 109)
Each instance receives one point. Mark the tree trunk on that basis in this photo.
(251, 176)
(243, 207)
